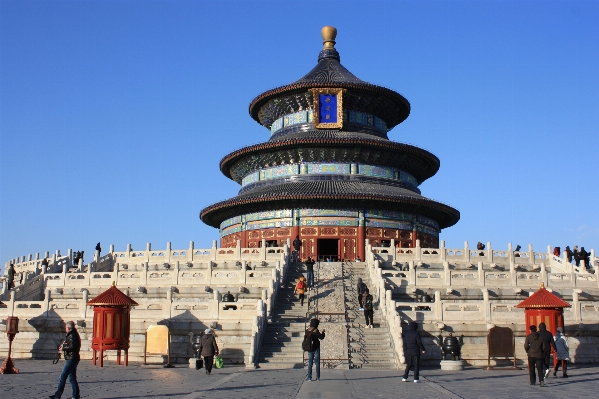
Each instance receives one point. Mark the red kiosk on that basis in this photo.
(111, 323)
(544, 307)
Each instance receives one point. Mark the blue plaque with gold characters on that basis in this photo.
(328, 108)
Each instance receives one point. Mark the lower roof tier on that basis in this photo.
(329, 194)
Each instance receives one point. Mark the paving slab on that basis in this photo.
(38, 379)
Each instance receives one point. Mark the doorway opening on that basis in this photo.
(328, 250)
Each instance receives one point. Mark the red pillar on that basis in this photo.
(361, 243)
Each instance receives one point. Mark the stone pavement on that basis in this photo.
(38, 379)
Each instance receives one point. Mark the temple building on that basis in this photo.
(329, 173)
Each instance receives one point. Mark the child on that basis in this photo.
(300, 288)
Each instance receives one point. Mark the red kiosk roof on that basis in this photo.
(112, 297)
(543, 299)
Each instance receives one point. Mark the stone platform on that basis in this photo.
(38, 379)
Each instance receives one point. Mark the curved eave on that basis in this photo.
(215, 214)
(389, 94)
(431, 159)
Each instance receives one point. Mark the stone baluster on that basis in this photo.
(438, 306)
(443, 251)
(466, 252)
(576, 304)
(85, 293)
(168, 251)
(190, 252)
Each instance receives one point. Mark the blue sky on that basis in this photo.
(114, 115)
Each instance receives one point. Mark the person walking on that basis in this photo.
(562, 353)
(208, 349)
(300, 288)
(71, 347)
(534, 346)
(368, 308)
(310, 271)
(412, 347)
(297, 245)
(550, 343)
(315, 336)
(361, 287)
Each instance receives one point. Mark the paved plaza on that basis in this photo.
(38, 379)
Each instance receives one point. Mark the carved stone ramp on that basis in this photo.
(370, 348)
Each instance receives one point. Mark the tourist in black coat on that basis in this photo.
(534, 346)
(550, 343)
(71, 347)
(412, 347)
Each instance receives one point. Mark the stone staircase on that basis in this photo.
(370, 348)
(282, 342)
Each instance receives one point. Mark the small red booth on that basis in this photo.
(111, 323)
(544, 307)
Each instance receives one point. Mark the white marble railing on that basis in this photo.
(488, 255)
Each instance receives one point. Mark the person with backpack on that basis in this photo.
(412, 347)
(300, 288)
(361, 288)
(368, 308)
(311, 344)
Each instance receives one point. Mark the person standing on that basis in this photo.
(584, 255)
(412, 347)
(10, 277)
(550, 343)
(569, 254)
(368, 308)
(562, 353)
(71, 347)
(310, 271)
(361, 287)
(534, 346)
(208, 349)
(576, 256)
(297, 245)
(300, 288)
(314, 354)
(98, 248)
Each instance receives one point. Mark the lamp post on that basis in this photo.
(12, 329)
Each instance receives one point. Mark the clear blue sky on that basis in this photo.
(114, 115)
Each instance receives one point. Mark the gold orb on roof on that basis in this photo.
(329, 33)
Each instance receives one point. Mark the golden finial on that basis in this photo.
(114, 284)
(329, 34)
(542, 285)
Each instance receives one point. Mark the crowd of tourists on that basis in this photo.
(575, 255)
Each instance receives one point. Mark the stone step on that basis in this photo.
(386, 365)
(266, 364)
(281, 341)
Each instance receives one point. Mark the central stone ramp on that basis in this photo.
(370, 348)
(282, 343)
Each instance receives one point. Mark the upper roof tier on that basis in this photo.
(361, 96)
